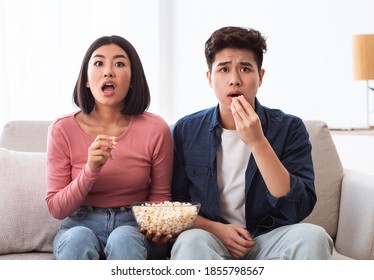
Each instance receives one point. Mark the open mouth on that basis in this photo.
(234, 95)
(108, 87)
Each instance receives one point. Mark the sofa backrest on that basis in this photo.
(25, 136)
(26, 225)
(32, 136)
(328, 171)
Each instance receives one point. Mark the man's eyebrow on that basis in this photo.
(245, 63)
(223, 63)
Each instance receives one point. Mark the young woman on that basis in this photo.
(106, 156)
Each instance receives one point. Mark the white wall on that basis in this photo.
(355, 151)
(308, 63)
(42, 44)
(309, 60)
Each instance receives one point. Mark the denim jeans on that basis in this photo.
(293, 242)
(93, 233)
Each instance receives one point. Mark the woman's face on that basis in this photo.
(109, 75)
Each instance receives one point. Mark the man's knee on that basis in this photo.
(317, 242)
(197, 244)
(314, 233)
(194, 236)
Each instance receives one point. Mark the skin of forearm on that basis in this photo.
(275, 175)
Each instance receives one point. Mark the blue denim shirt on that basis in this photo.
(197, 138)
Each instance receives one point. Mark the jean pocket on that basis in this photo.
(80, 214)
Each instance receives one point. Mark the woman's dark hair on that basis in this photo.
(138, 98)
(237, 38)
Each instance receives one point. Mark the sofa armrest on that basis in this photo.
(355, 236)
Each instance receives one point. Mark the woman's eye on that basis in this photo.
(119, 64)
(98, 63)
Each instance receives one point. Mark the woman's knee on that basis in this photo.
(124, 234)
(126, 242)
(76, 243)
(76, 236)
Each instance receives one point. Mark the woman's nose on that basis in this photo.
(108, 72)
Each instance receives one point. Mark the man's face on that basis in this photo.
(234, 72)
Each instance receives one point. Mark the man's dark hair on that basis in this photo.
(237, 38)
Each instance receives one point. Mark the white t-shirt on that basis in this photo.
(232, 161)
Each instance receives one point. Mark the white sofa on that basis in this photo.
(345, 206)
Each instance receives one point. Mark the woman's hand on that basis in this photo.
(157, 237)
(100, 151)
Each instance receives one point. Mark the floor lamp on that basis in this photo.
(363, 66)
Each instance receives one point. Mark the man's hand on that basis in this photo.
(236, 239)
(247, 122)
(248, 126)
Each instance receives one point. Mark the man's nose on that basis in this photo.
(235, 79)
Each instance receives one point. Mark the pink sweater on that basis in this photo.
(140, 170)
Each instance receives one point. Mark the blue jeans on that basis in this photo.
(294, 242)
(93, 233)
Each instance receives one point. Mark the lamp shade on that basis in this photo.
(363, 57)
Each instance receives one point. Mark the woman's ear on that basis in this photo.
(87, 85)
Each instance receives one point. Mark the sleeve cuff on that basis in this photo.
(91, 173)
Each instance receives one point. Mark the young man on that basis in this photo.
(249, 166)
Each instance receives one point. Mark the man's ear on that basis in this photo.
(262, 73)
(209, 77)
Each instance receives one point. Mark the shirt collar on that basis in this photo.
(215, 121)
(259, 109)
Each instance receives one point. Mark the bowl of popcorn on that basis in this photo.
(166, 217)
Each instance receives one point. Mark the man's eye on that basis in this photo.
(98, 63)
(119, 64)
(224, 69)
(245, 69)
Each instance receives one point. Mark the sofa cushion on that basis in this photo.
(328, 177)
(25, 221)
